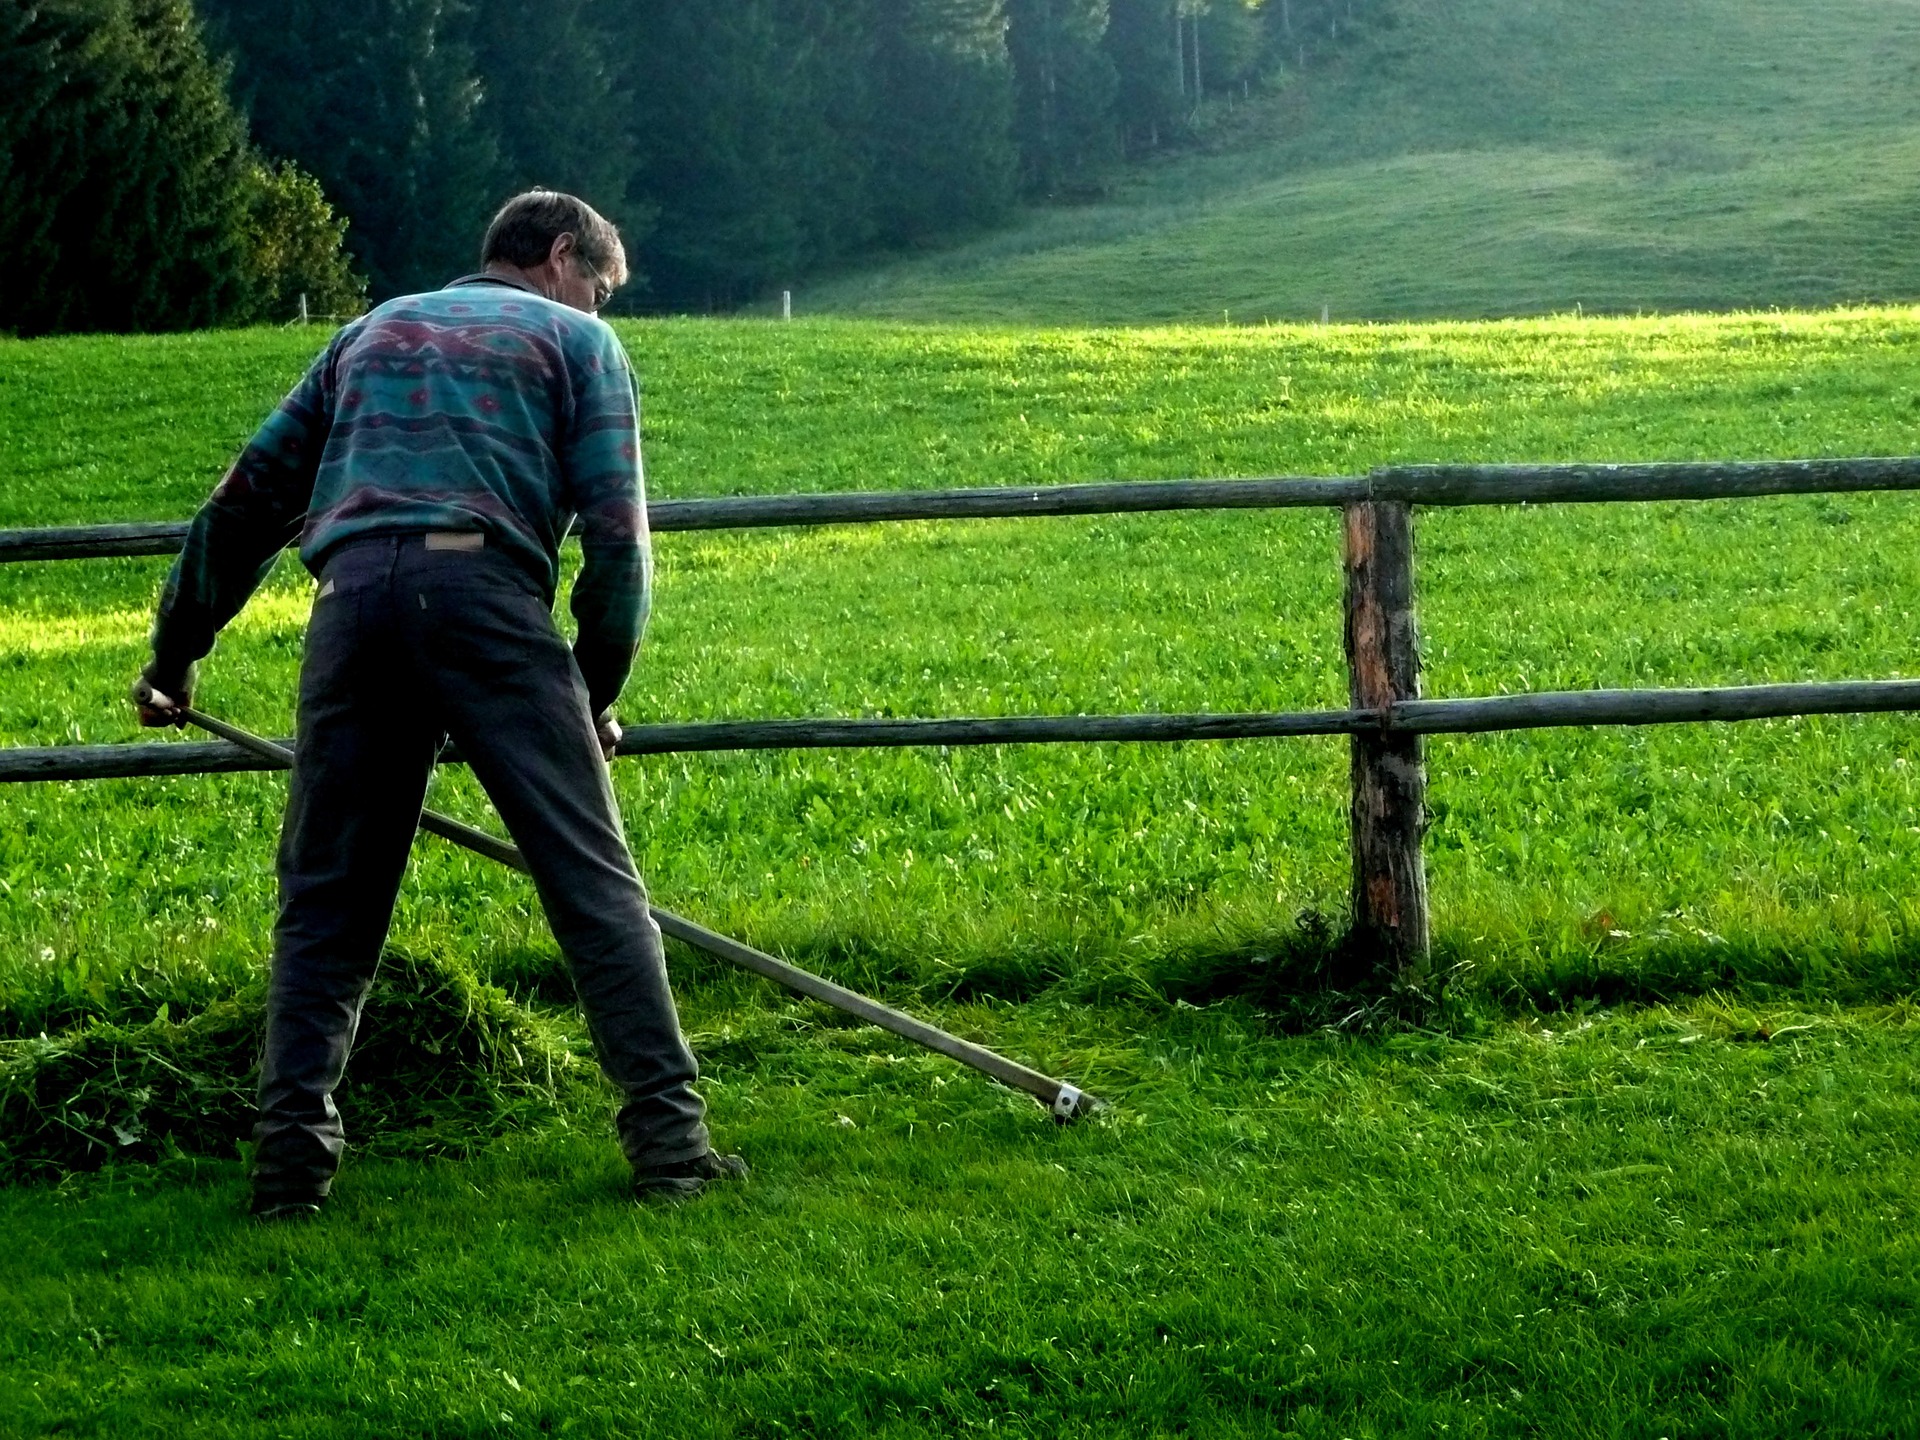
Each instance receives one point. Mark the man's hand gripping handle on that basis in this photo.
(159, 709)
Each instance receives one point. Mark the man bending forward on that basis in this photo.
(430, 463)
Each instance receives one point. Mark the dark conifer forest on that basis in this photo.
(346, 149)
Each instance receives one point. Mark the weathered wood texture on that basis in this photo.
(1585, 484)
(1113, 497)
(1066, 1102)
(1388, 804)
(117, 762)
(1417, 717)
(23, 763)
(1652, 707)
(1415, 484)
(79, 542)
(93, 542)
(1007, 730)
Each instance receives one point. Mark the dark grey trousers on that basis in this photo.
(407, 645)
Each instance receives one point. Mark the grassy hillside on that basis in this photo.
(1559, 1215)
(1501, 157)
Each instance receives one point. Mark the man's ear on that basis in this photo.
(564, 244)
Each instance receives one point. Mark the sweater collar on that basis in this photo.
(483, 277)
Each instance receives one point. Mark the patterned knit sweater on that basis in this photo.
(481, 407)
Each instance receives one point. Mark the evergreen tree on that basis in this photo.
(713, 96)
(1146, 39)
(1228, 38)
(944, 158)
(1299, 30)
(548, 103)
(755, 127)
(1064, 89)
(832, 114)
(128, 192)
(379, 100)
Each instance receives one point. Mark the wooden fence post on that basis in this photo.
(1389, 774)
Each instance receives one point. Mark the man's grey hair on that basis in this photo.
(527, 225)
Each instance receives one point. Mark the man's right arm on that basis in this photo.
(601, 458)
(253, 514)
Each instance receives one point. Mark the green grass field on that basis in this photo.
(1654, 1174)
(1498, 157)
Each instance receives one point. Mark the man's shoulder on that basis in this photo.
(480, 300)
(462, 301)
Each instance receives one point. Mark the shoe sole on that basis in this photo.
(293, 1212)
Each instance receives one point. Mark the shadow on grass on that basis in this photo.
(446, 1060)
(1316, 974)
(1318, 977)
(1308, 976)
(1660, 970)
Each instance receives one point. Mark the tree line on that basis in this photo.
(130, 195)
(216, 160)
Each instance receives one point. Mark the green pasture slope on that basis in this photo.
(1500, 157)
(1653, 1173)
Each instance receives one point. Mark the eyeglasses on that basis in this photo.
(602, 291)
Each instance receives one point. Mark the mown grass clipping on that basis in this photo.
(443, 1062)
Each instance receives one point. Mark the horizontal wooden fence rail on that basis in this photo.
(1544, 710)
(1594, 484)
(1410, 484)
(742, 512)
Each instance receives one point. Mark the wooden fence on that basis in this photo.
(1386, 719)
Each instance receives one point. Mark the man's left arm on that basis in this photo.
(601, 460)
